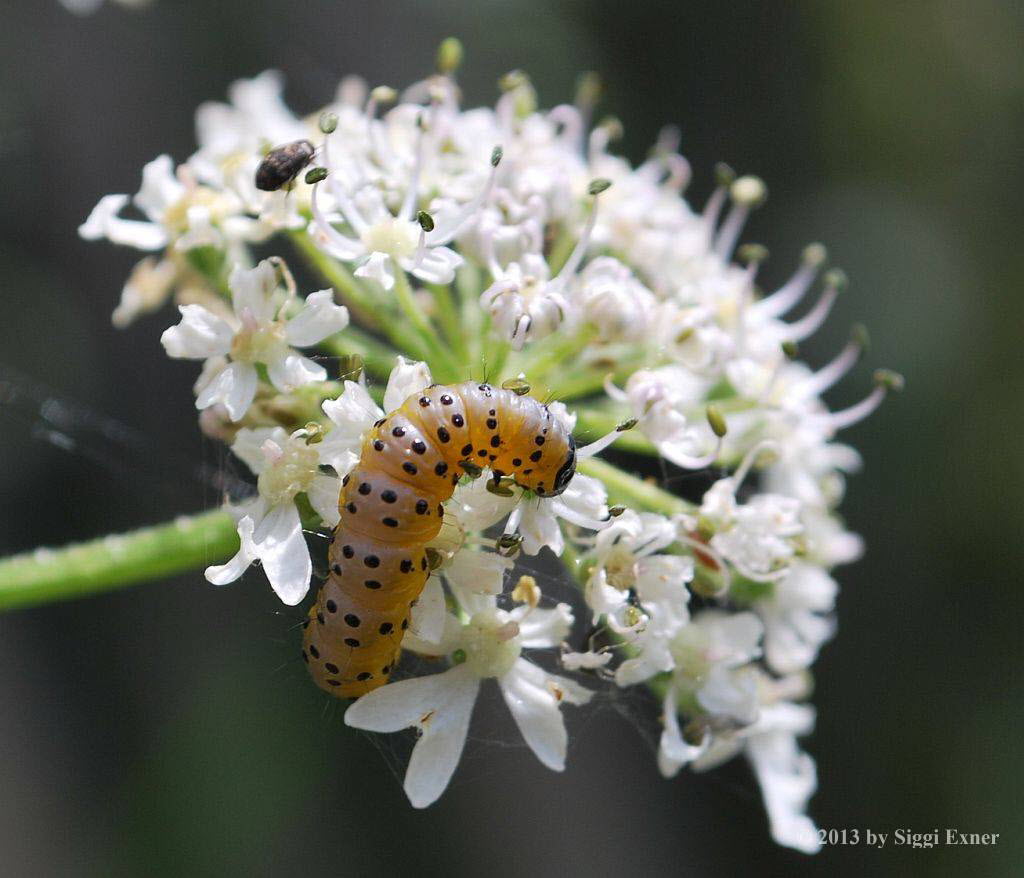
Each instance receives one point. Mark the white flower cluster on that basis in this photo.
(510, 238)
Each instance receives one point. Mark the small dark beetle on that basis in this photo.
(282, 165)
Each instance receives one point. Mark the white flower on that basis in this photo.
(583, 503)
(709, 654)
(257, 334)
(384, 239)
(487, 646)
(147, 288)
(608, 295)
(354, 412)
(794, 620)
(269, 526)
(786, 775)
(756, 537)
(524, 301)
(177, 212)
(627, 560)
(663, 401)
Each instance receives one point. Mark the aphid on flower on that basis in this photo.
(282, 165)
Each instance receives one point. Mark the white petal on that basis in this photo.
(429, 613)
(294, 370)
(476, 571)
(378, 267)
(673, 751)
(104, 222)
(160, 188)
(201, 231)
(441, 706)
(438, 266)
(146, 289)
(323, 497)
(352, 414)
(235, 387)
(408, 377)
(199, 335)
(730, 693)
(252, 291)
(788, 779)
(282, 551)
(539, 528)
(534, 706)
(319, 318)
(542, 628)
(248, 445)
(233, 569)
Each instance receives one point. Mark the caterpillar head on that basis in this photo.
(567, 470)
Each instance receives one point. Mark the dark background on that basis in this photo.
(166, 729)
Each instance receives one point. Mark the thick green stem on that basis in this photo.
(119, 559)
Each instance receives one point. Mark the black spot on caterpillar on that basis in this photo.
(401, 512)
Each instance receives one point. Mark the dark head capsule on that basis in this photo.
(282, 165)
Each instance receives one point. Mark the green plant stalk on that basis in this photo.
(378, 358)
(82, 569)
(190, 542)
(441, 362)
(555, 353)
(351, 293)
(448, 317)
(633, 492)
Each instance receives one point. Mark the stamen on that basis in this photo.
(408, 208)
(884, 382)
(750, 458)
(337, 244)
(793, 290)
(614, 392)
(806, 326)
(471, 208)
(703, 548)
(746, 193)
(512, 525)
(599, 445)
(828, 375)
(724, 177)
(595, 188)
(345, 204)
(561, 510)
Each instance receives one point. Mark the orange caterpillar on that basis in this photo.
(391, 507)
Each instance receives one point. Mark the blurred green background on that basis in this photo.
(167, 730)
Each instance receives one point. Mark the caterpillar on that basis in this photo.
(391, 506)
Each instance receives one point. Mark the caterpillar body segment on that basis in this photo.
(391, 507)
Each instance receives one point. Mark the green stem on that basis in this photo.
(378, 358)
(119, 559)
(354, 296)
(555, 353)
(448, 317)
(632, 491)
(441, 361)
